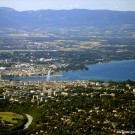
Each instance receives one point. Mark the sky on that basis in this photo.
(23, 5)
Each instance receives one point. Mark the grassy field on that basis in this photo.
(10, 117)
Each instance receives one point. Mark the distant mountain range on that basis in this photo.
(63, 18)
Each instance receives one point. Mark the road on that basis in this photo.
(30, 118)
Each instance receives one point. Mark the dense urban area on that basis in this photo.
(64, 107)
(68, 107)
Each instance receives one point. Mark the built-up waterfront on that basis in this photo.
(116, 71)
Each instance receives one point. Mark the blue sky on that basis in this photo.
(22, 5)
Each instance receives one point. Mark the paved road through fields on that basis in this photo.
(30, 118)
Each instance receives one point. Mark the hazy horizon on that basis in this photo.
(25, 5)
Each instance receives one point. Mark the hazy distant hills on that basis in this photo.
(63, 18)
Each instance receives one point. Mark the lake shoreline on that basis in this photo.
(110, 71)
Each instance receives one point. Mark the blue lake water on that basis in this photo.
(115, 71)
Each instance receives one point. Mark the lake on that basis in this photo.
(115, 71)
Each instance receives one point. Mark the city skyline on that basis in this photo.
(119, 5)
